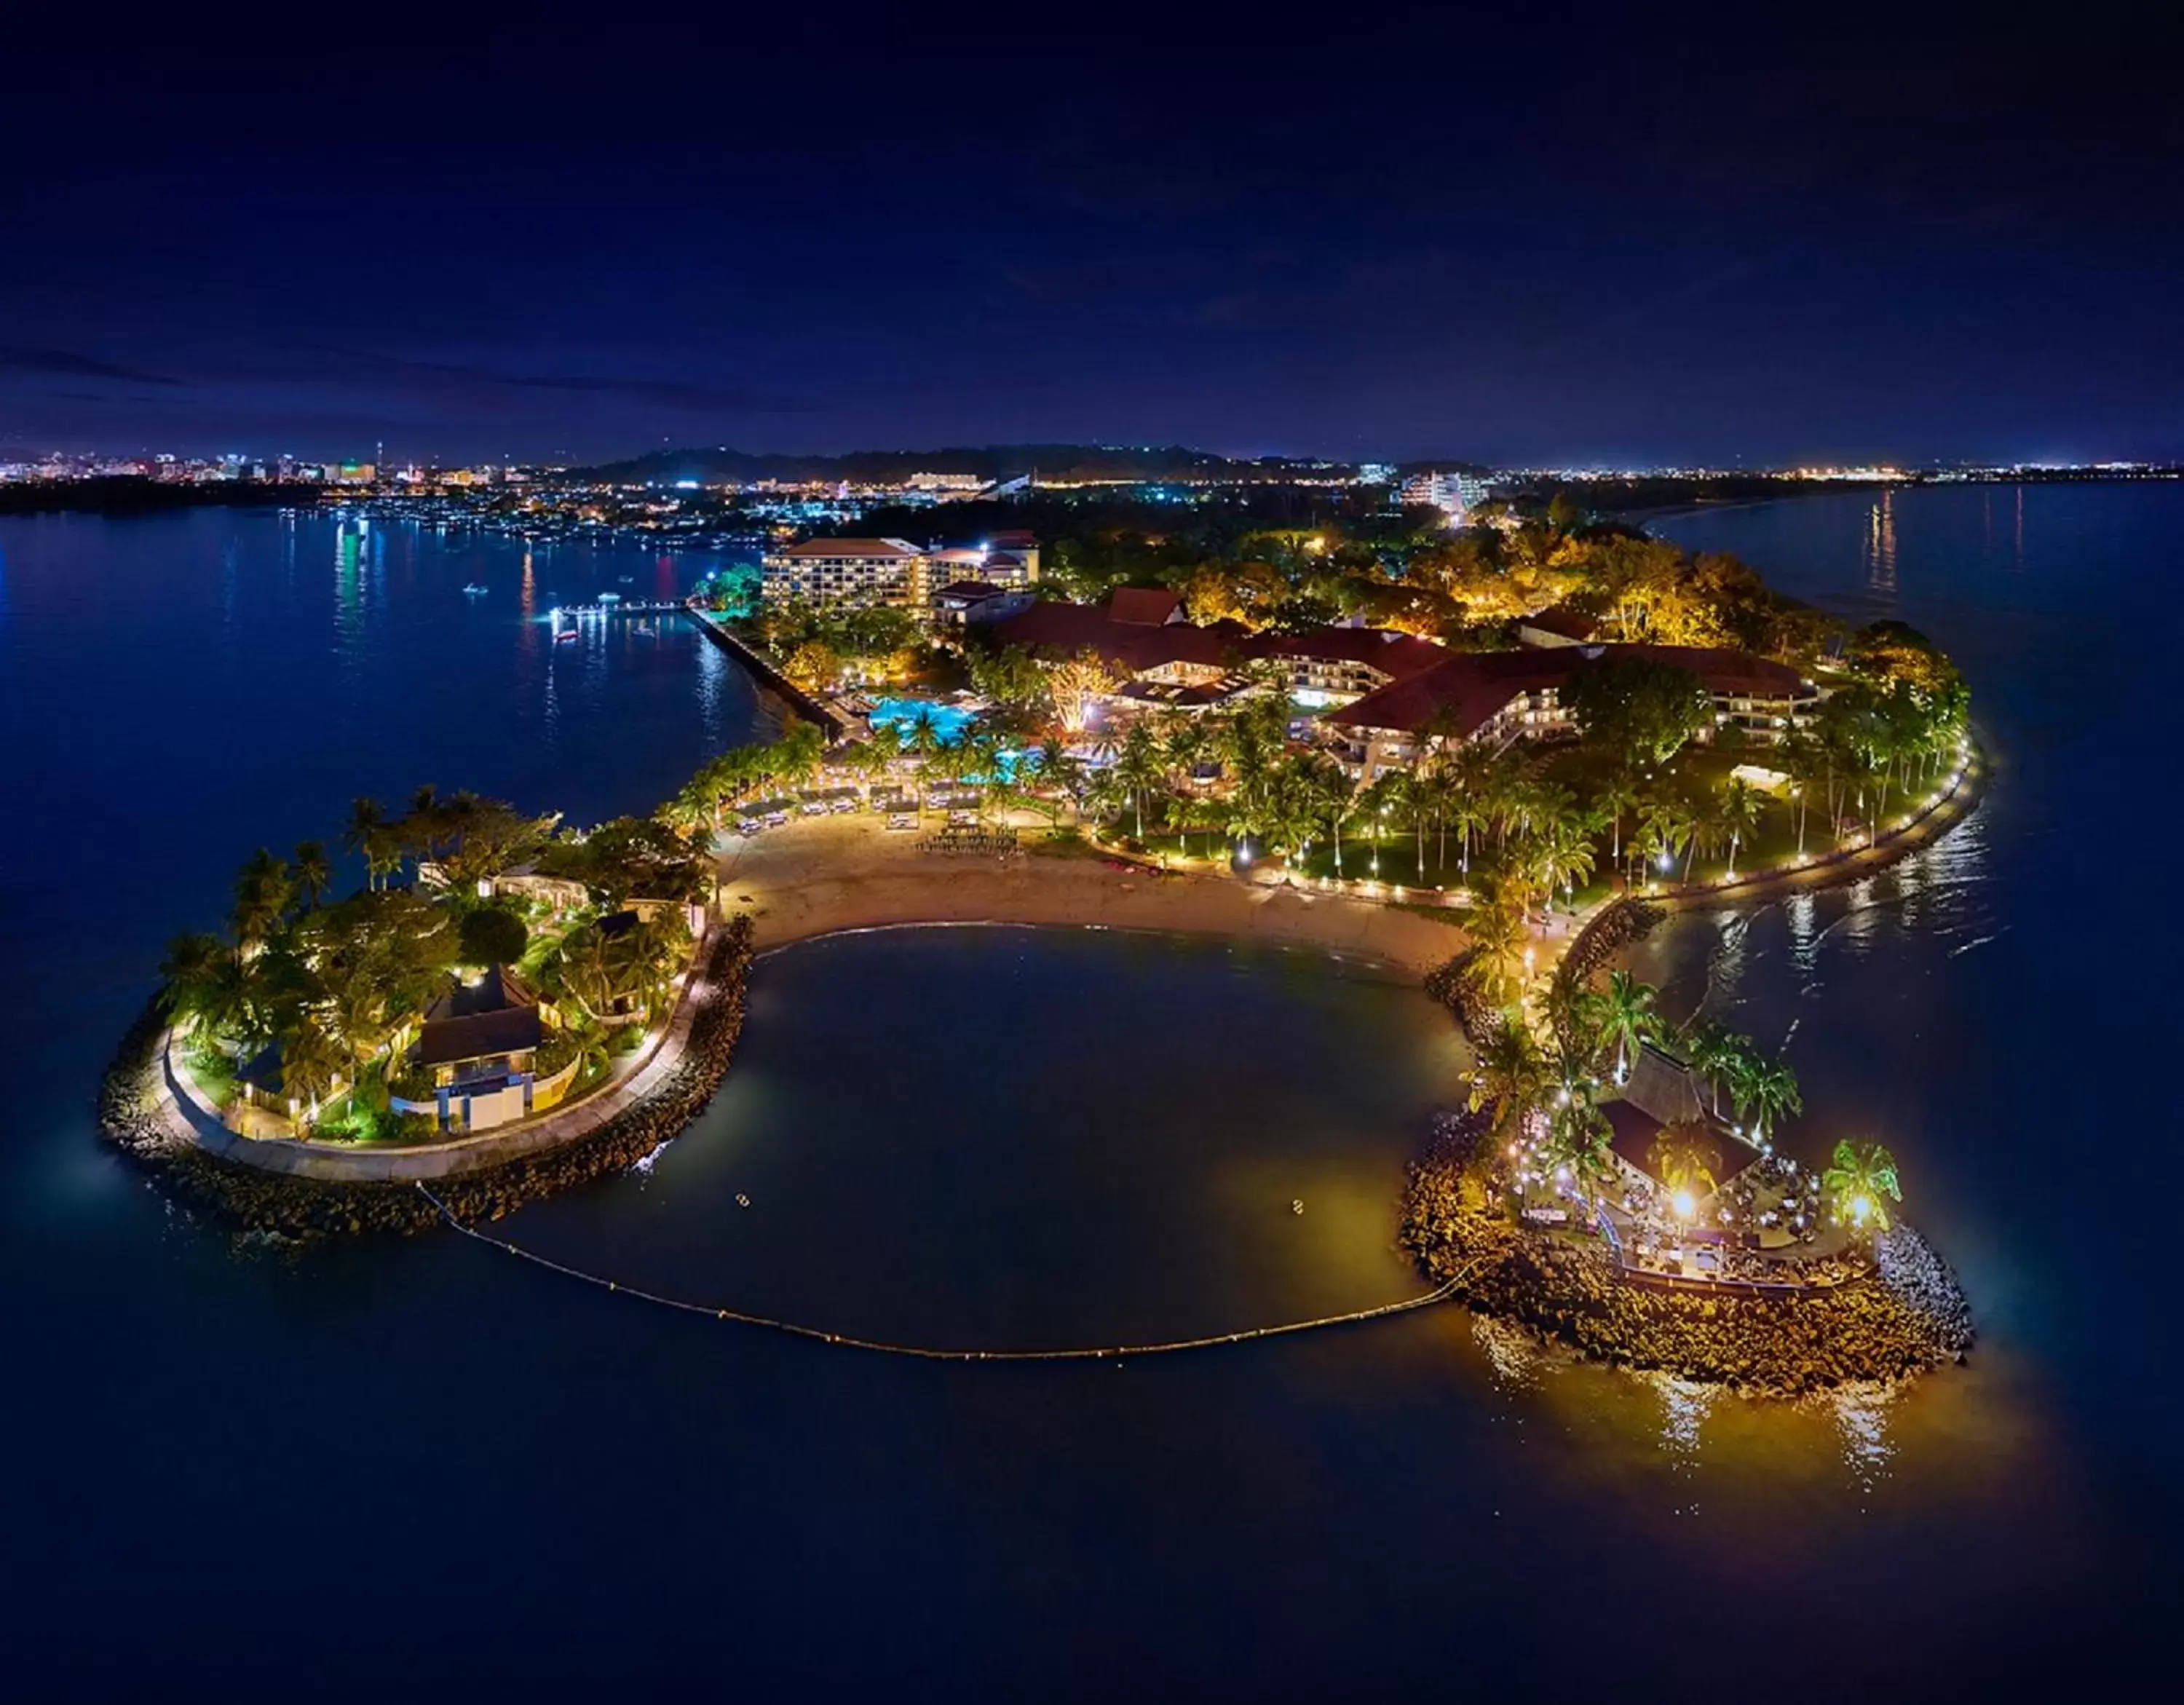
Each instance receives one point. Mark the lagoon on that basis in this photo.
(995, 1133)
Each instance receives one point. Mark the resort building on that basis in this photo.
(1160, 658)
(1501, 696)
(1332, 666)
(847, 570)
(963, 602)
(479, 1041)
(893, 571)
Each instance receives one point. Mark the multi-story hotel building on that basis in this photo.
(847, 570)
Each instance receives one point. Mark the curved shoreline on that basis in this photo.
(136, 1110)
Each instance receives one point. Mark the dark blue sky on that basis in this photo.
(1367, 233)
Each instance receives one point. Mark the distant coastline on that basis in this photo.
(130, 495)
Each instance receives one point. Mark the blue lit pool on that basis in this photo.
(903, 715)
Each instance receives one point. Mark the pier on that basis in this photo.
(831, 721)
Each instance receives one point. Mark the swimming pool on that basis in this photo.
(903, 715)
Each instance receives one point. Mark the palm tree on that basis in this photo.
(1667, 826)
(1498, 937)
(1736, 812)
(366, 836)
(1628, 1015)
(1137, 769)
(1770, 1089)
(1618, 796)
(1513, 1076)
(1578, 1136)
(311, 1062)
(1861, 1181)
(1059, 769)
(193, 968)
(1721, 1057)
(1560, 854)
(312, 870)
(262, 893)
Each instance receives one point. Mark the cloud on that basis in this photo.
(679, 393)
(66, 364)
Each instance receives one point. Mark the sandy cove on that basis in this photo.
(816, 876)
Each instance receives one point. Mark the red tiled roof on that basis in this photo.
(1562, 620)
(851, 547)
(1148, 605)
(1060, 629)
(1472, 687)
(1400, 655)
(967, 591)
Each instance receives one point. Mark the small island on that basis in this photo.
(1555, 739)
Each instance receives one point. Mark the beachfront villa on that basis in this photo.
(480, 1042)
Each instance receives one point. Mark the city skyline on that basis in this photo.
(1581, 244)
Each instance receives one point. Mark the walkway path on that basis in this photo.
(1440, 1293)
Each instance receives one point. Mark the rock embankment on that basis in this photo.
(1909, 1316)
(130, 1112)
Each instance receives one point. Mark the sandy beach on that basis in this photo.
(815, 876)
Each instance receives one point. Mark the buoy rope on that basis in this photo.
(1440, 1293)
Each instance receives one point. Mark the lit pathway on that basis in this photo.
(1440, 1293)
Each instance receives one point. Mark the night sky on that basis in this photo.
(1360, 233)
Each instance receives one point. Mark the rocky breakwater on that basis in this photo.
(1909, 1316)
(136, 1111)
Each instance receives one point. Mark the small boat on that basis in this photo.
(742, 1200)
(629, 580)
(1296, 1207)
(610, 597)
(474, 590)
(564, 636)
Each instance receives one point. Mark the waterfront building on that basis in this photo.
(889, 572)
(894, 571)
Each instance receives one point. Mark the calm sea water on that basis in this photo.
(421, 1465)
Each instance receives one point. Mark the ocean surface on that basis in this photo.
(425, 1467)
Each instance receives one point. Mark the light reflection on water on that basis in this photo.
(1861, 1415)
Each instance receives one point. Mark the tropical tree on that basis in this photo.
(1768, 1089)
(367, 837)
(1721, 1058)
(1075, 685)
(263, 892)
(1736, 813)
(1627, 1015)
(201, 986)
(1059, 769)
(312, 870)
(1137, 769)
(1861, 1183)
(1578, 1137)
(312, 1062)
(1512, 1077)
